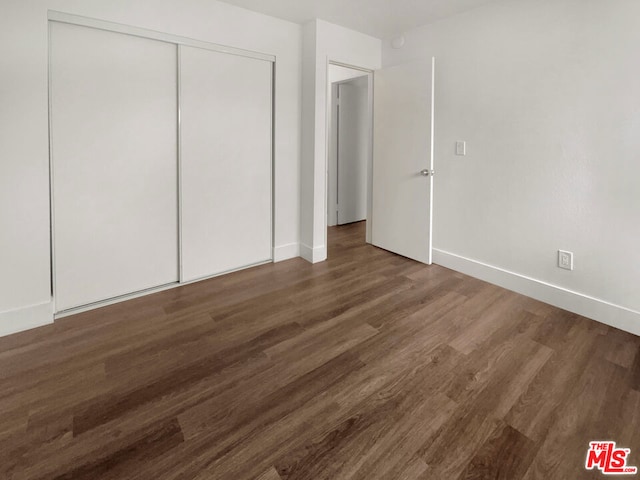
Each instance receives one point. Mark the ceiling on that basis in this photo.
(379, 18)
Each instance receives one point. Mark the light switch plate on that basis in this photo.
(461, 148)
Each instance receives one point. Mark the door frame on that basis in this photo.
(370, 86)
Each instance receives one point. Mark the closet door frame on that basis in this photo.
(177, 40)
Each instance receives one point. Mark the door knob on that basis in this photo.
(426, 172)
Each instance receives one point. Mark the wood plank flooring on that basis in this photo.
(367, 366)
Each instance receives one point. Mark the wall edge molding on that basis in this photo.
(594, 308)
(313, 255)
(286, 252)
(26, 318)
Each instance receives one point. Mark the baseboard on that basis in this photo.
(313, 255)
(285, 252)
(585, 305)
(26, 318)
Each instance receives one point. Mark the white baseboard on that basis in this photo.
(285, 252)
(585, 305)
(26, 318)
(313, 255)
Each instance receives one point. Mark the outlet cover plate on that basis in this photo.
(565, 259)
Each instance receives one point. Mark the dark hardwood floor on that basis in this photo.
(367, 366)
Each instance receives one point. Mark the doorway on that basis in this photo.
(349, 148)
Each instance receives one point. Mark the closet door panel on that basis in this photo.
(114, 159)
(226, 135)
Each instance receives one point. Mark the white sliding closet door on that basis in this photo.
(114, 159)
(226, 132)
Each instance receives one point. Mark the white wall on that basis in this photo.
(323, 42)
(338, 73)
(24, 184)
(546, 94)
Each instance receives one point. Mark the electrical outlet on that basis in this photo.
(565, 259)
(461, 148)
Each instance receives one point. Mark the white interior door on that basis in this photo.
(114, 159)
(226, 135)
(353, 148)
(403, 159)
